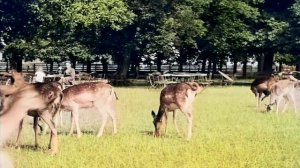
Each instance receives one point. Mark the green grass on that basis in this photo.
(227, 132)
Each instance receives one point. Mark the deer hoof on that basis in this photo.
(17, 147)
(52, 152)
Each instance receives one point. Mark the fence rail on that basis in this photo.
(98, 68)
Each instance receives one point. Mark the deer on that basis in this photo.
(91, 94)
(283, 90)
(37, 100)
(261, 86)
(176, 96)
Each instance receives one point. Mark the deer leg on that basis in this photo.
(263, 97)
(190, 124)
(294, 102)
(76, 120)
(188, 113)
(285, 104)
(258, 101)
(53, 144)
(18, 135)
(61, 118)
(104, 120)
(35, 125)
(40, 126)
(277, 104)
(57, 116)
(72, 124)
(112, 114)
(56, 120)
(175, 123)
(165, 118)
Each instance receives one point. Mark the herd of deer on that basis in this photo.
(45, 100)
(280, 91)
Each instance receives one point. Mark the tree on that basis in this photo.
(229, 29)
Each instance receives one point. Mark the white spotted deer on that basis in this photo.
(176, 96)
(37, 100)
(283, 90)
(91, 94)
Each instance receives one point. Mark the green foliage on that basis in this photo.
(227, 132)
(284, 58)
(229, 28)
(99, 13)
(269, 35)
(55, 30)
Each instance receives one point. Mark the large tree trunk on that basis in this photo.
(245, 68)
(214, 66)
(73, 62)
(182, 58)
(16, 62)
(19, 64)
(88, 66)
(260, 62)
(268, 62)
(280, 67)
(158, 61)
(51, 66)
(123, 66)
(234, 66)
(203, 65)
(221, 64)
(209, 71)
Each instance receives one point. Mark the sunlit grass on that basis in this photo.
(227, 132)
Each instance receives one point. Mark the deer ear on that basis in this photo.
(153, 114)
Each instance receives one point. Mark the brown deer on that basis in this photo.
(173, 97)
(283, 90)
(91, 94)
(260, 86)
(37, 100)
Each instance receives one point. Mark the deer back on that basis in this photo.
(88, 92)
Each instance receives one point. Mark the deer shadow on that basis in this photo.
(148, 133)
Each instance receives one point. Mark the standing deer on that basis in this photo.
(91, 94)
(283, 90)
(262, 86)
(172, 97)
(37, 100)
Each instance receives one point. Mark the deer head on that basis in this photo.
(159, 123)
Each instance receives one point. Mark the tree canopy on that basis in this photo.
(151, 31)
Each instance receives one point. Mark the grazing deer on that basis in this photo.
(283, 90)
(172, 97)
(37, 100)
(91, 94)
(260, 86)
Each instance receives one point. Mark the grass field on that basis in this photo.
(227, 132)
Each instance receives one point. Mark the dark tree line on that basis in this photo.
(129, 32)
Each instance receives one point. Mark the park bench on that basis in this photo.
(225, 79)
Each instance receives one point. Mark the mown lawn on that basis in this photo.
(227, 132)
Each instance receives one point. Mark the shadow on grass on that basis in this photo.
(89, 132)
(148, 133)
(166, 136)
